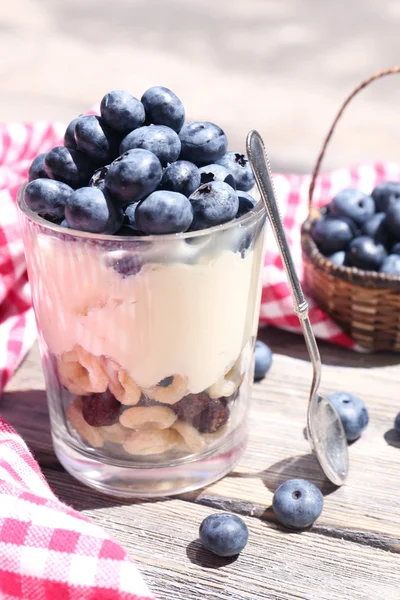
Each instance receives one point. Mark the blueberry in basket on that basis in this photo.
(138, 169)
(360, 230)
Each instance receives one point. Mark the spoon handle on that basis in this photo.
(262, 172)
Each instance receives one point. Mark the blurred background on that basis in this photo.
(281, 66)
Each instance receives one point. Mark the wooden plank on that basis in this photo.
(162, 537)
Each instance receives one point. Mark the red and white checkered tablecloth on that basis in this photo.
(47, 550)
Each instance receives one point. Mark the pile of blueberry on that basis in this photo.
(362, 231)
(140, 169)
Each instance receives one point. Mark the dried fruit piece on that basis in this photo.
(81, 372)
(227, 385)
(121, 384)
(91, 435)
(192, 440)
(170, 394)
(191, 405)
(148, 417)
(151, 442)
(100, 409)
(115, 433)
(212, 418)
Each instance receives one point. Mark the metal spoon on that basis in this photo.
(324, 427)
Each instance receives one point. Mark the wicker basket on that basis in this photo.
(365, 304)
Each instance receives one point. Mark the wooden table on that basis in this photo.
(352, 551)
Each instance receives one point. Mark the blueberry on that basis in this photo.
(129, 217)
(69, 135)
(331, 234)
(352, 204)
(166, 382)
(163, 107)
(202, 142)
(339, 258)
(395, 248)
(89, 209)
(47, 197)
(37, 170)
(98, 178)
(96, 139)
(262, 360)
(391, 265)
(213, 204)
(393, 219)
(352, 412)
(216, 173)
(159, 139)
(297, 503)
(365, 254)
(397, 423)
(224, 534)
(385, 194)
(375, 227)
(133, 176)
(239, 166)
(182, 177)
(124, 263)
(164, 212)
(246, 203)
(69, 166)
(64, 224)
(122, 111)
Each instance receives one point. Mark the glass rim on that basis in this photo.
(248, 217)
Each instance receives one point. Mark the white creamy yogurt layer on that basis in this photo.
(168, 319)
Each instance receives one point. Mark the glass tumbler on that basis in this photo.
(147, 349)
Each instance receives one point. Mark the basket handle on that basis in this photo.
(321, 155)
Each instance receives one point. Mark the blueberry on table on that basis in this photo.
(96, 139)
(37, 170)
(239, 166)
(122, 111)
(365, 254)
(181, 176)
(202, 142)
(133, 176)
(164, 212)
(352, 204)
(385, 194)
(159, 139)
(213, 204)
(391, 265)
(89, 209)
(163, 107)
(297, 503)
(397, 423)
(246, 203)
(331, 234)
(224, 534)
(69, 166)
(393, 219)
(352, 412)
(338, 258)
(47, 197)
(216, 173)
(262, 360)
(69, 135)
